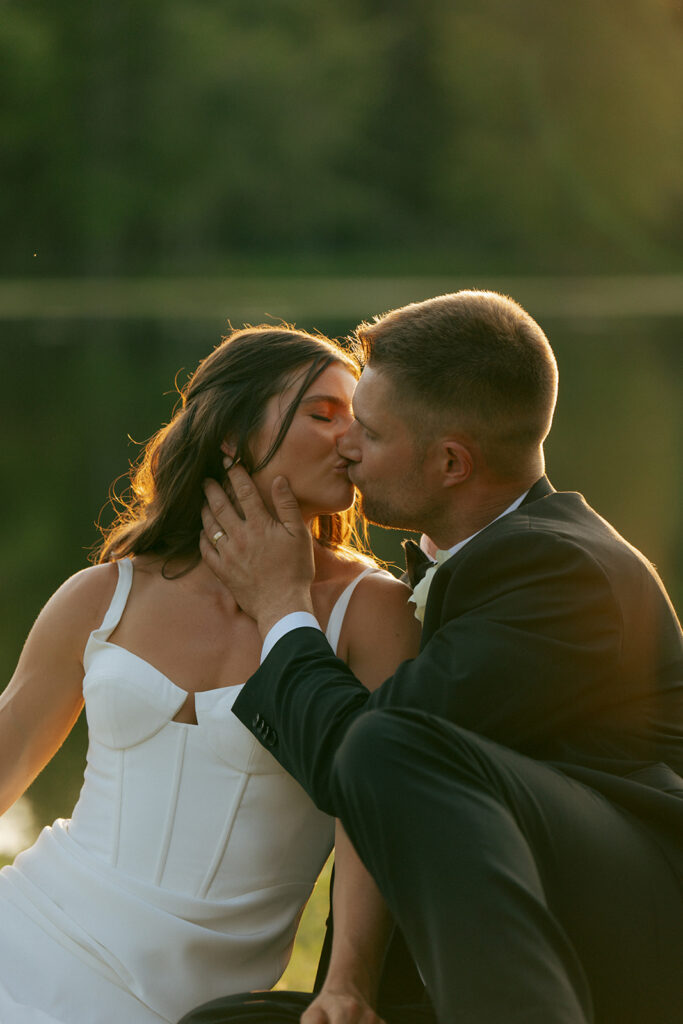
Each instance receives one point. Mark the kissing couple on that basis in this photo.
(504, 788)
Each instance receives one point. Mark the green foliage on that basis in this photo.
(574, 105)
(177, 135)
(301, 971)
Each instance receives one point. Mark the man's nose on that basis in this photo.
(347, 444)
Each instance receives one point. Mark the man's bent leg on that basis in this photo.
(525, 897)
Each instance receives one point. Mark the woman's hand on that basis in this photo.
(341, 1005)
(266, 562)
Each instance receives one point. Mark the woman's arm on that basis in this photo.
(362, 928)
(380, 631)
(44, 698)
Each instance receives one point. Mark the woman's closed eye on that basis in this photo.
(324, 411)
(327, 410)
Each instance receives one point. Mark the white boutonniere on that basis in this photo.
(421, 591)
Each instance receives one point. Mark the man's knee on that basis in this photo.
(368, 751)
(382, 746)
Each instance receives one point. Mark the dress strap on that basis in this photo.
(336, 620)
(114, 612)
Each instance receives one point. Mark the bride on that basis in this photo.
(189, 855)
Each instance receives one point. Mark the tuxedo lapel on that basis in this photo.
(417, 562)
(541, 489)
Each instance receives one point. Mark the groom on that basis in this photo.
(514, 790)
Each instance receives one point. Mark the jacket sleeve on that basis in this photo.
(525, 648)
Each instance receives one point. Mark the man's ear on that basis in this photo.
(457, 462)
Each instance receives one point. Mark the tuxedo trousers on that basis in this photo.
(524, 896)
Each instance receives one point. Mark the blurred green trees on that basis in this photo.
(186, 134)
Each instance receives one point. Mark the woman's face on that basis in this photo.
(308, 455)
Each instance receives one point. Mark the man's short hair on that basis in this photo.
(473, 361)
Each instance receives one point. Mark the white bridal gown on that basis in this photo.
(181, 873)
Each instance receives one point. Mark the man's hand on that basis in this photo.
(340, 1006)
(266, 563)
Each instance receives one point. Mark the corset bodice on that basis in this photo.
(200, 809)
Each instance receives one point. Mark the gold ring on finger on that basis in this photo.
(216, 537)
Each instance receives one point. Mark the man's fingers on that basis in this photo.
(208, 551)
(339, 1009)
(286, 506)
(210, 523)
(247, 496)
(314, 1016)
(220, 505)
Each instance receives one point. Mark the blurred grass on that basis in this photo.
(301, 970)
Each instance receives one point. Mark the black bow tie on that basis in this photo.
(417, 562)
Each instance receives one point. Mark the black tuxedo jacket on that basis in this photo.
(547, 633)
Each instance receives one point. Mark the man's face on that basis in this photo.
(386, 459)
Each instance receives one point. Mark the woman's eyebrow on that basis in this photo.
(333, 399)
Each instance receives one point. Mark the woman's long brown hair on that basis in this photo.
(226, 396)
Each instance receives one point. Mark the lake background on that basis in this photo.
(173, 167)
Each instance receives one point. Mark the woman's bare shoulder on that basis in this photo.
(378, 594)
(61, 630)
(84, 597)
(380, 629)
(381, 594)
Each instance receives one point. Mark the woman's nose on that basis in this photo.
(347, 443)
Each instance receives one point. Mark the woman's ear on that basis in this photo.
(457, 462)
(229, 449)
